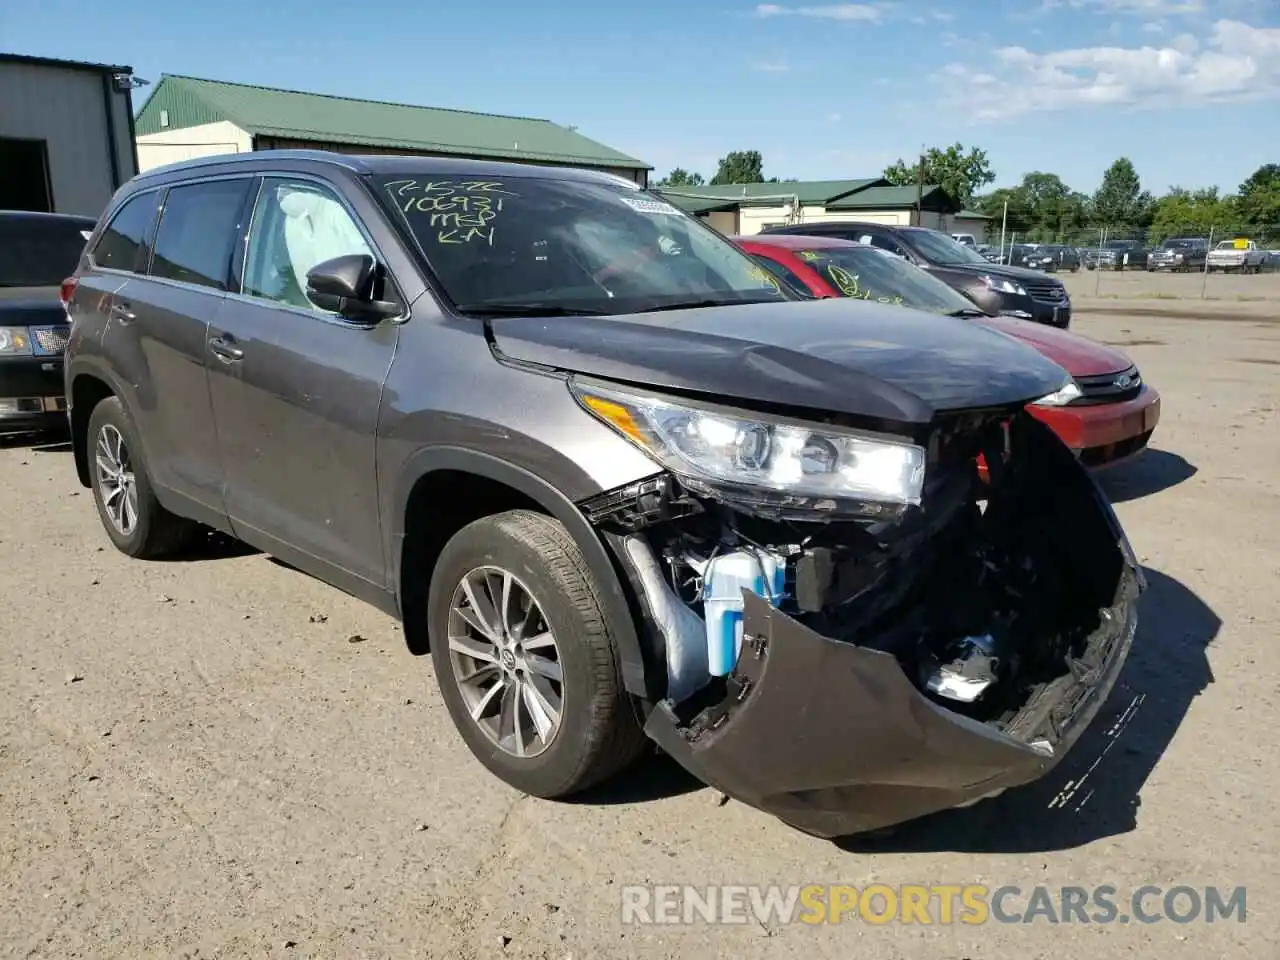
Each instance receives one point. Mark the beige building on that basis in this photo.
(748, 208)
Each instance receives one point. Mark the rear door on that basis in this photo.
(296, 389)
(159, 331)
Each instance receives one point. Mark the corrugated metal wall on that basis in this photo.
(67, 108)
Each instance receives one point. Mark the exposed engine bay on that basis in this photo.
(1002, 603)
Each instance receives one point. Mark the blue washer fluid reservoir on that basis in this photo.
(723, 581)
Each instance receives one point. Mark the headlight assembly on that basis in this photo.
(1062, 396)
(15, 342)
(1001, 285)
(788, 463)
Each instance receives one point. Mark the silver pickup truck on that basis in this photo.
(1241, 256)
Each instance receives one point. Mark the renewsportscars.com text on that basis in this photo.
(940, 904)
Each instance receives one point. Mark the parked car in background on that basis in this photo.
(1122, 255)
(1108, 417)
(37, 252)
(1052, 257)
(987, 251)
(1019, 255)
(565, 440)
(996, 288)
(967, 239)
(1236, 256)
(1179, 255)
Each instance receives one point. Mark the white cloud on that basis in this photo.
(1144, 8)
(771, 66)
(850, 12)
(1237, 62)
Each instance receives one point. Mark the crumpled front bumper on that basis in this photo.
(835, 739)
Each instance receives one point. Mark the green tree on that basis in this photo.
(1192, 213)
(1041, 208)
(680, 177)
(1259, 199)
(740, 166)
(1120, 204)
(959, 171)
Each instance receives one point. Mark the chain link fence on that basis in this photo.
(1167, 261)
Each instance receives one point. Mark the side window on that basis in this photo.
(783, 273)
(296, 225)
(883, 242)
(120, 245)
(197, 231)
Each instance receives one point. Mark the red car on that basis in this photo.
(1108, 415)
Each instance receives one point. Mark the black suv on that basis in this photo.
(37, 252)
(612, 477)
(998, 288)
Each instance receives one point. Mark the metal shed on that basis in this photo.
(188, 117)
(66, 134)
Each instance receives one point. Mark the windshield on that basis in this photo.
(939, 248)
(1182, 244)
(1121, 244)
(570, 245)
(867, 273)
(35, 252)
(1233, 245)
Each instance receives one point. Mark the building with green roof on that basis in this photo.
(748, 208)
(188, 117)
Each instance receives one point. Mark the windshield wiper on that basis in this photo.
(696, 304)
(525, 310)
(967, 312)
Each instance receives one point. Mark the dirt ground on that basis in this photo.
(1135, 284)
(224, 758)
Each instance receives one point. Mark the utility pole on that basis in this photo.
(1004, 220)
(920, 192)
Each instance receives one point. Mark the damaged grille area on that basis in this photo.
(985, 595)
(886, 670)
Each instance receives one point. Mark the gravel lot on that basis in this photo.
(225, 757)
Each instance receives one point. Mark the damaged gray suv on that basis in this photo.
(615, 480)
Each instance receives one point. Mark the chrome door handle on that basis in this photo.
(121, 313)
(224, 351)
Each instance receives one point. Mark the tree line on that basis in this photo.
(1044, 208)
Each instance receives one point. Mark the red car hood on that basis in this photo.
(1079, 356)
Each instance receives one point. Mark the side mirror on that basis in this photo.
(346, 285)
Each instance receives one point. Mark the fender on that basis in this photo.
(637, 678)
(88, 366)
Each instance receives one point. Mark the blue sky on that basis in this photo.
(1188, 89)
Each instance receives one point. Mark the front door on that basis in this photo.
(296, 390)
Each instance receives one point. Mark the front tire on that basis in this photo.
(525, 656)
(132, 516)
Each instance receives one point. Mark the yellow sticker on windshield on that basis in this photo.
(846, 282)
(764, 276)
(1241, 244)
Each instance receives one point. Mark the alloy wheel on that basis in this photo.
(505, 661)
(117, 485)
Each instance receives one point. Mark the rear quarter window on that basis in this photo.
(197, 231)
(121, 243)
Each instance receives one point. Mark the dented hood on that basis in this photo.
(838, 355)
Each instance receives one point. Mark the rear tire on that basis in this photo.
(132, 516)
(596, 730)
